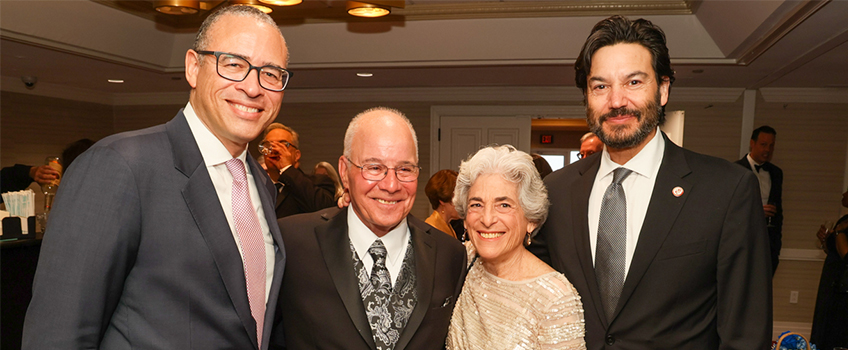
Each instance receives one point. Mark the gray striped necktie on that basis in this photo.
(610, 251)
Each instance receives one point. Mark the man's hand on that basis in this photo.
(770, 210)
(44, 174)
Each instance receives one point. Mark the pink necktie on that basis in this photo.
(252, 244)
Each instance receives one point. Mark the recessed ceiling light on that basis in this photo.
(116, 81)
(364, 75)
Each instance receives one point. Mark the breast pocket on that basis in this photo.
(678, 250)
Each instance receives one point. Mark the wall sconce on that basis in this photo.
(281, 2)
(177, 7)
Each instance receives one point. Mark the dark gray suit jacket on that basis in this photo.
(138, 253)
(321, 306)
(699, 276)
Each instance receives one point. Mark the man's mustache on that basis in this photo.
(619, 112)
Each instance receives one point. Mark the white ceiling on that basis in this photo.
(76, 45)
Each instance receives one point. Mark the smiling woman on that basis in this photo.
(510, 299)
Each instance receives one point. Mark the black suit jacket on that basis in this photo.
(320, 301)
(775, 230)
(138, 253)
(302, 193)
(699, 276)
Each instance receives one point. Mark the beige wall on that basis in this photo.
(811, 149)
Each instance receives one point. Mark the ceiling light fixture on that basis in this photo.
(116, 81)
(364, 75)
(363, 9)
(253, 3)
(177, 7)
(281, 2)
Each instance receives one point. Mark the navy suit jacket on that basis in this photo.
(699, 275)
(139, 255)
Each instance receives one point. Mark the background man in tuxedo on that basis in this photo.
(370, 276)
(296, 192)
(770, 178)
(664, 245)
(164, 238)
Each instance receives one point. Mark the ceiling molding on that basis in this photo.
(748, 53)
(14, 84)
(805, 95)
(720, 95)
(525, 9)
(85, 52)
(805, 58)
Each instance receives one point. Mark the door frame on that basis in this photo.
(534, 112)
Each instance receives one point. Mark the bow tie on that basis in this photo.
(758, 167)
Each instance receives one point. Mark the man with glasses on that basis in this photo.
(589, 145)
(297, 192)
(370, 276)
(164, 238)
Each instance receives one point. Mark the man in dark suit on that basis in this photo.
(770, 178)
(370, 276)
(165, 238)
(296, 192)
(664, 245)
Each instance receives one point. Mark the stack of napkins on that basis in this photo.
(20, 203)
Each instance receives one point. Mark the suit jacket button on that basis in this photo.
(609, 340)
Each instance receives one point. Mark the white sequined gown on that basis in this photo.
(493, 313)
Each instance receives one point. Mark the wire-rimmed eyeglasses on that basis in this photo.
(236, 68)
(377, 171)
(266, 147)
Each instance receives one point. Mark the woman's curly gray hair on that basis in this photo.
(514, 166)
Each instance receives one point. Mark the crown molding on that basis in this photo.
(535, 94)
(526, 9)
(805, 95)
(14, 84)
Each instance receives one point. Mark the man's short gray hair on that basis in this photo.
(273, 126)
(201, 41)
(514, 166)
(587, 136)
(353, 128)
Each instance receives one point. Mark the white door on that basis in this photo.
(462, 136)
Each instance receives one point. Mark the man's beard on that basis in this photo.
(618, 138)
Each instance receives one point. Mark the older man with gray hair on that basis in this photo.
(371, 275)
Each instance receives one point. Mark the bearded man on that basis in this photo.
(665, 246)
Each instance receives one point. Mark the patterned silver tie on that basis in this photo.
(377, 302)
(612, 232)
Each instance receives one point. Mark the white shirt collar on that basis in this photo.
(362, 237)
(212, 150)
(752, 162)
(646, 163)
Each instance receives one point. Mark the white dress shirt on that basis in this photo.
(396, 242)
(215, 155)
(638, 187)
(763, 176)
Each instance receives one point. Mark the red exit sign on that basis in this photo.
(547, 139)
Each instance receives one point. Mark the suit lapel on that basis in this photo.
(660, 217)
(334, 243)
(580, 202)
(424, 249)
(204, 205)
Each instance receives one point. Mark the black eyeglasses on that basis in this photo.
(377, 171)
(236, 68)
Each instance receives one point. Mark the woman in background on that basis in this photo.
(830, 322)
(325, 168)
(510, 299)
(439, 191)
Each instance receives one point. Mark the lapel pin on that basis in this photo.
(677, 191)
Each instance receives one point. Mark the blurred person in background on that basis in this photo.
(326, 169)
(830, 322)
(439, 191)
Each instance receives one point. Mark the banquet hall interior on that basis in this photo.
(495, 69)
